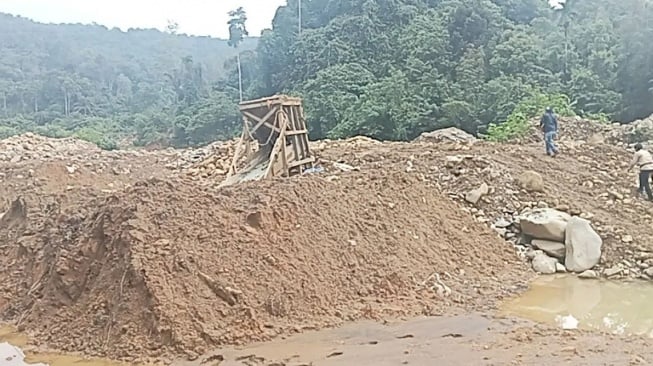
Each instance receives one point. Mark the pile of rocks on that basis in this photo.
(558, 242)
(29, 146)
(631, 133)
(450, 134)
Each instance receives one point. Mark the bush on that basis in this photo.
(517, 124)
(103, 142)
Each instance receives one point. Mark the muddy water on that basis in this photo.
(416, 342)
(12, 355)
(617, 307)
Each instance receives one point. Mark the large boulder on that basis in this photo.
(544, 223)
(583, 245)
(552, 248)
(544, 264)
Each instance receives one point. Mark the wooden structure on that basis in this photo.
(277, 126)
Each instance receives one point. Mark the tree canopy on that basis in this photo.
(389, 69)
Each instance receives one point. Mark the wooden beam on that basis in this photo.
(259, 121)
(310, 159)
(298, 132)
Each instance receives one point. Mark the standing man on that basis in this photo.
(644, 161)
(549, 125)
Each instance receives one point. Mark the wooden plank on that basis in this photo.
(259, 121)
(298, 132)
(310, 159)
(275, 151)
(263, 102)
(234, 161)
(251, 116)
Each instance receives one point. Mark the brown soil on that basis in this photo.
(128, 258)
(170, 267)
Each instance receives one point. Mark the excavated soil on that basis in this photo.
(170, 267)
(131, 255)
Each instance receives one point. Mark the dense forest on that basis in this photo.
(389, 69)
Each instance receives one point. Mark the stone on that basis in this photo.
(616, 195)
(530, 253)
(588, 274)
(596, 139)
(502, 223)
(612, 271)
(544, 264)
(544, 223)
(475, 195)
(583, 245)
(649, 272)
(560, 268)
(627, 239)
(552, 248)
(531, 181)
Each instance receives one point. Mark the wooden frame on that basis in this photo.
(278, 126)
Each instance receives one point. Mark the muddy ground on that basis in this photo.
(137, 256)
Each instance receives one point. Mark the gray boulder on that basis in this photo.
(544, 223)
(544, 264)
(583, 245)
(552, 248)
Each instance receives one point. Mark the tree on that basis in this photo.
(237, 32)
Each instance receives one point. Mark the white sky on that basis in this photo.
(196, 17)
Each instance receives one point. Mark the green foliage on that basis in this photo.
(105, 85)
(389, 69)
(91, 135)
(517, 123)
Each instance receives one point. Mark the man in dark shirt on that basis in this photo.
(549, 125)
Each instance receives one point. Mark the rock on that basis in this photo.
(502, 223)
(649, 272)
(552, 248)
(450, 134)
(475, 195)
(531, 254)
(588, 274)
(560, 268)
(531, 181)
(544, 264)
(596, 139)
(612, 271)
(627, 239)
(583, 245)
(544, 223)
(616, 195)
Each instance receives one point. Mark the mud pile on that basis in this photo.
(169, 267)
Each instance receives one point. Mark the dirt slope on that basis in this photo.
(586, 178)
(169, 267)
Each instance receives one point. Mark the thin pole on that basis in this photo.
(299, 14)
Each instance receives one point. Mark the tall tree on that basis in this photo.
(237, 32)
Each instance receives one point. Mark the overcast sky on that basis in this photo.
(197, 17)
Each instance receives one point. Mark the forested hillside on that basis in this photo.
(389, 69)
(394, 68)
(106, 84)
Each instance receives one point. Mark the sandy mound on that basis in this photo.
(174, 268)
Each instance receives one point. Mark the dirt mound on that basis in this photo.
(171, 267)
(570, 128)
(30, 146)
(586, 179)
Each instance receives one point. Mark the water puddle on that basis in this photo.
(12, 355)
(615, 307)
